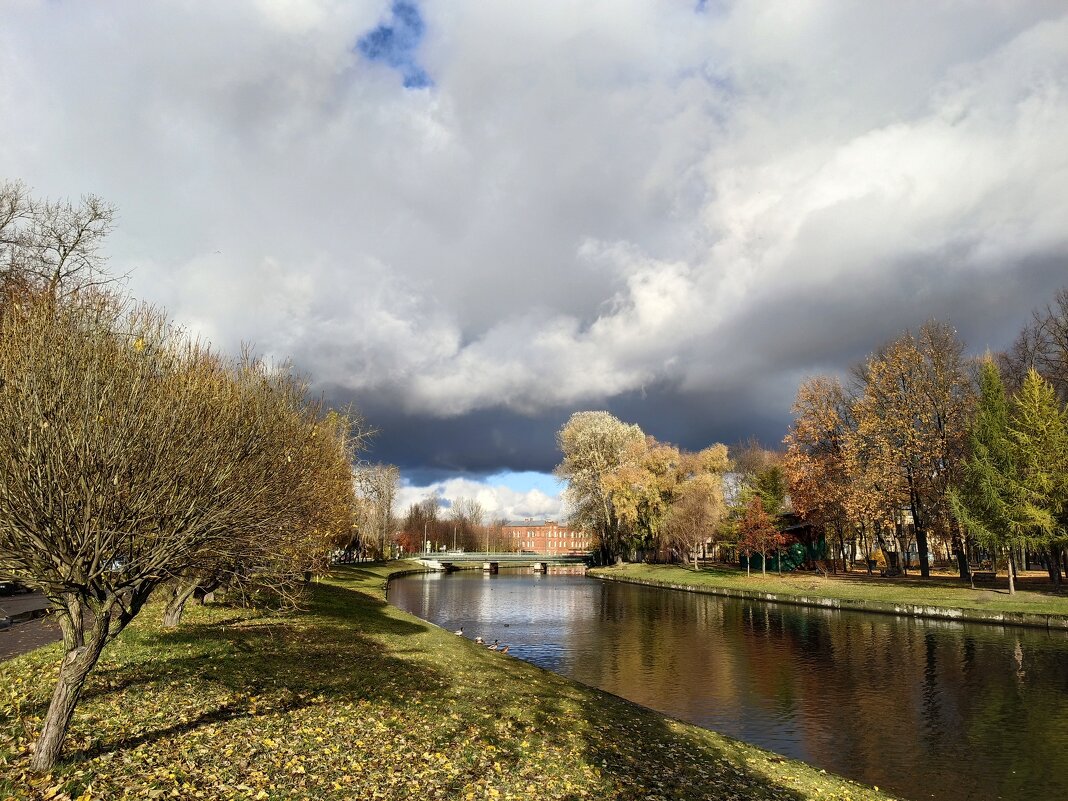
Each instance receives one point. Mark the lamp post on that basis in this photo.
(425, 548)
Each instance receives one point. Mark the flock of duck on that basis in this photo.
(494, 646)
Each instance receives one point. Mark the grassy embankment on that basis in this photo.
(858, 591)
(356, 699)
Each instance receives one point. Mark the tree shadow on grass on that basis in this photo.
(206, 673)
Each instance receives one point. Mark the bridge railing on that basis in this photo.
(478, 556)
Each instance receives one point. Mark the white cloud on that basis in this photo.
(591, 199)
(497, 500)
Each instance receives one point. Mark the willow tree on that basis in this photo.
(594, 445)
(694, 517)
(651, 481)
(128, 454)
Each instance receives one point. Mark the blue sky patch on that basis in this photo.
(395, 41)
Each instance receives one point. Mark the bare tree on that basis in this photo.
(376, 486)
(52, 246)
(1043, 346)
(468, 518)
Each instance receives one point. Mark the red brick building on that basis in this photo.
(547, 537)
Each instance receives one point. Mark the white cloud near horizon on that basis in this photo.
(497, 499)
(589, 199)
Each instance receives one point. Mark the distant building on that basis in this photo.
(547, 537)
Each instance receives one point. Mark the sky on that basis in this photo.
(470, 220)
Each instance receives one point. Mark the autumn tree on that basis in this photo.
(817, 464)
(311, 487)
(595, 445)
(128, 454)
(695, 515)
(644, 489)
(423, 524)
(913, 413)
(757, 534)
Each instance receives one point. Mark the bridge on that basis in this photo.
(453, 560)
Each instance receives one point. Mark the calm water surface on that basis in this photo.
(927, 709)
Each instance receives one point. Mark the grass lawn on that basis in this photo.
(855, 586)
(356, 699)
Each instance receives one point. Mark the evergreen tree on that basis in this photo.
(1038, 430)
(988, 500)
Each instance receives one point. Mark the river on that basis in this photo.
(926, 709)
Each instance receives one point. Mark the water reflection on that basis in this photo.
(929, 709)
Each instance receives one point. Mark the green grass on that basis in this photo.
(355, 699)
(855, 586)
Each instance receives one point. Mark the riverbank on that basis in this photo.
(936, 599)
(355, 699)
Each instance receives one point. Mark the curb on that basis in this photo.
(23, 617)
(955, 614)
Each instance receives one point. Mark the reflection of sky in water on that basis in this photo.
(869, 696)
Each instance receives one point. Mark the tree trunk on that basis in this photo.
(921, 546)
(72, 623)
(72, 674)
(1011, 571)
(172, 613)
(961, 555)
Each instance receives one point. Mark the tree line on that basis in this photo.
(922, 445)
(919, 449)
(464, 525)
(135, 460)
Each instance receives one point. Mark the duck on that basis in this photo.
(495, 646)
(479, 640)
(504, 650)
(459, 633)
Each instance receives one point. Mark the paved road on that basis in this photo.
(11, 605)
(23, 637)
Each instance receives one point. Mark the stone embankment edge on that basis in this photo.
(956, 614)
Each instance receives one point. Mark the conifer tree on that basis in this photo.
(1038, 431)
(988, 499)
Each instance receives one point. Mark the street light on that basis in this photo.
(426, 549)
